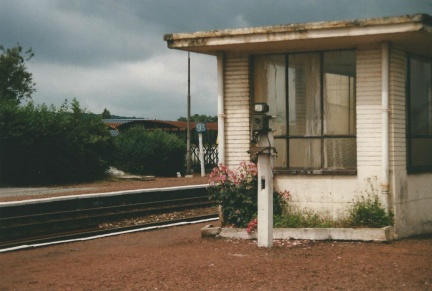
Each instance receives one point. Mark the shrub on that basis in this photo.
(150, 152)
(368, 212)
(365, 212)
(295, 218)
(45, 145)
(237, 193)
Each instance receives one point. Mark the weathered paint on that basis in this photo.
(237, 109)
(410, 195)
(310, 36)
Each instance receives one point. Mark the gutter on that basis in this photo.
(385, 188)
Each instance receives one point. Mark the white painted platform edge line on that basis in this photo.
(93, 195)
(106, 235)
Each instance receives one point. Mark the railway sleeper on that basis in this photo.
(99, 202)
(48, 216)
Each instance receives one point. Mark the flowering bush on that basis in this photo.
(251, 226)
(236, 191)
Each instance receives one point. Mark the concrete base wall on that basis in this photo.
(344, 234)
(414, 207)
(330, 196)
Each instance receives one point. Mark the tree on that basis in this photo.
(200, 118)
(41, 145)
(16, 82)
(106, 114)
(144, 152)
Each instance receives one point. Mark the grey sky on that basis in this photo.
(111, 54)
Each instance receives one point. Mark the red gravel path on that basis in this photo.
(178, 259)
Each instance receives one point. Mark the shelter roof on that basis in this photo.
(411, 32)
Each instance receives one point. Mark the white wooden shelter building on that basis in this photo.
(351, 103)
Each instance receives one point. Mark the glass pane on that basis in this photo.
(281, 157)
(421, 152)
(304, 94)
(420, 97)
(269, 87)
(339, 101)
(340, 153)
(305, 153)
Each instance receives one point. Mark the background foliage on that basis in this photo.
(149, 152)
(16, 82)
(45, 145)
(200, 118)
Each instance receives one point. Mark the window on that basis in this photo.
(419, 114)
(312, 96)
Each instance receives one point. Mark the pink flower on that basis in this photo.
(252, 225)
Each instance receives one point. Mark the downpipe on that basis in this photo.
(385, 187)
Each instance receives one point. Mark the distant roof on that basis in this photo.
(148, 123)
(412, 32)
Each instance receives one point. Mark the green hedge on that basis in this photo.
(45, 145)
(150, 152)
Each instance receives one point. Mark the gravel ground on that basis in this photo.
(179, 259)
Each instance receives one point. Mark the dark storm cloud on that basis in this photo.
(79, 34)
(111, 53)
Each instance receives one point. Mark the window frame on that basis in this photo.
(322, 135)
(412, 169)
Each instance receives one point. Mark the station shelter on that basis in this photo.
(350, 106)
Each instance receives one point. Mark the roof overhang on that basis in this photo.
(411, 32)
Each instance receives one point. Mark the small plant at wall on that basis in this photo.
(305, 218)
(236, 192)
(280, 202)
(364, 212)
(369, 212)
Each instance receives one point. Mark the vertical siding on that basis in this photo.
(397, 110)
(237, 109)
(368, 107)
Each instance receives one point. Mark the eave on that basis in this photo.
(411, 32)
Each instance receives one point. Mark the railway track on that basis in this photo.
(81, 216)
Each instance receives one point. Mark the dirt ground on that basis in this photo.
(179, 259)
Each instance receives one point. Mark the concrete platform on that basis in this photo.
(17, 192)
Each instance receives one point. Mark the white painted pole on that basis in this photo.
(265, 202)
(188, 129)
(201, 153)
(265, 193)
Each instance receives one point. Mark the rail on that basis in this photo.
(23, 223)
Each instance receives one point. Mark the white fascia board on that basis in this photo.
(207, 40)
